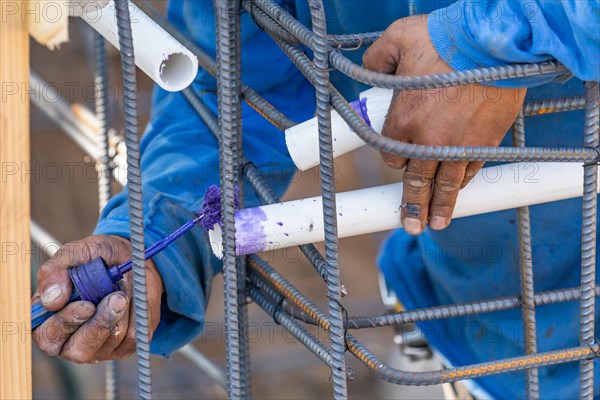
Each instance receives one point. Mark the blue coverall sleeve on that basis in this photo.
(478, 33)
(179, 162)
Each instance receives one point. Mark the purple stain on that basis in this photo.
(360, 106)
(280, 223)
(211, 208)
(341, 214)
(286, 234)
(249, 233)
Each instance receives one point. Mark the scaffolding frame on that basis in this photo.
(253, 278)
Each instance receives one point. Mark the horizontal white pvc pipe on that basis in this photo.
(377, 209)
(166, 61)
(303, 139)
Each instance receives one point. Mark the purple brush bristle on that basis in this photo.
(211, 208)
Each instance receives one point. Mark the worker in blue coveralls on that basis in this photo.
(180, 159)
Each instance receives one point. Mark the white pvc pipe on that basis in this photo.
(377, 209)
(166, 61)
(302, 140)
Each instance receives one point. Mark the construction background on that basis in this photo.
(64, 201)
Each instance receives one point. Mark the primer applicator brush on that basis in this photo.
(95, 280)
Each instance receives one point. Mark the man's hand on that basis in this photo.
(81, 332)
(471, 115)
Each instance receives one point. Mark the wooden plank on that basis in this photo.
(15, 324)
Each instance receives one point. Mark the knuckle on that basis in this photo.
(450, 174)
(366, 58)
(77, 354)
(415, 180)
(52, 348)
(393, 162)
(447, 187)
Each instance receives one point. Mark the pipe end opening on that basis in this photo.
(177, 71)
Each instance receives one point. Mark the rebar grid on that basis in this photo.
(268, 288)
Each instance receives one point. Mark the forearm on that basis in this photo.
(480, 33)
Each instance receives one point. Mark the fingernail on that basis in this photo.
(117, 304)
(52, 293)
(412, 226)
(438, 223)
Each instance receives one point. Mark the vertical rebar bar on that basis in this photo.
(101, 110)
(526, 270)
(104, 171)
(588, 240)
(228, 91)
(241, 262)
(334, 289)
(136, 212)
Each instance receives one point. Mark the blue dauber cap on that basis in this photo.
(94, 280)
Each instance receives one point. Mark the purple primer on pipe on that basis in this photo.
(249, 233)
(360, 106)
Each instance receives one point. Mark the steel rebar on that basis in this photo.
(526, 279)
(228, 92)
(588, 240)
(136, 211)
(104, 172)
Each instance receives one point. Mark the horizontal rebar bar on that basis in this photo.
(289, 292)
(548, 106)
(460, 310)
(455, 78)
(393, 375)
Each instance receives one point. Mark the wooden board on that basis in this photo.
(15, 325)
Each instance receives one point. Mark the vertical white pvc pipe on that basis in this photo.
(166, 61)
(377, 209)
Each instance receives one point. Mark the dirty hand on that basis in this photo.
(80, 332)
(469, 115)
